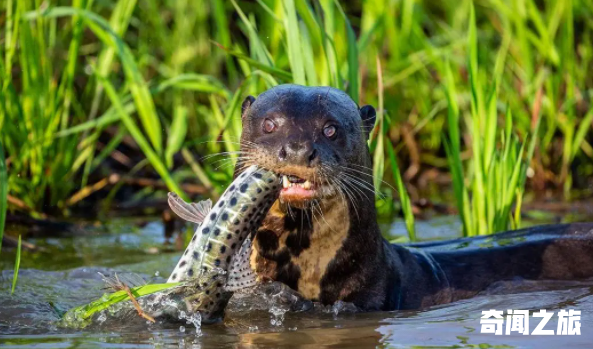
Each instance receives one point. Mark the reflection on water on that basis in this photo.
(28, 318)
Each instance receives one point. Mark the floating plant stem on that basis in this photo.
(115, 284)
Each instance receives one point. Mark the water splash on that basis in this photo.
(277, 317)
(102, 317)
(194, 319)
(337, 308)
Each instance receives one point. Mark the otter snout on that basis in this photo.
(299, 153)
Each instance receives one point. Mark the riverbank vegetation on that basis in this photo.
(109, 101)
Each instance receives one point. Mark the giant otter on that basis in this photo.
(321, 236)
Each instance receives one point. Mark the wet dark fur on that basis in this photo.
(363, 268)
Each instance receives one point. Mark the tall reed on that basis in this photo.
(498, 165)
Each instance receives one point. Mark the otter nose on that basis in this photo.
(302, 153)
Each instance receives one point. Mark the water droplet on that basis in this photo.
(277, 315)
(102, 317)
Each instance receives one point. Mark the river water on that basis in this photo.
(65, 274)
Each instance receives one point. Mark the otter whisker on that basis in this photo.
(313, 213)
(361, 184)
(350, 195)
(229, 163)
(351, 191)
(347, 192)
(341, 194)
(355, 174)
(355, 191)
(318, 206)
(240, 143)
(240, 158)
(224, 166)
(243, 147)
(368, 175)
(224, 153)
(290, 211)
(239, 162)
(302, 226)
(362, 166)
(355, 184)
(315, 220)
(228, 159)
(315, 206)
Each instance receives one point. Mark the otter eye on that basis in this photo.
(329, 131)
(269, 126)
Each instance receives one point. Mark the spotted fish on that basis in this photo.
(216, 262)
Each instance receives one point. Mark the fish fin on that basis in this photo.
(240, 274)
(194, 212)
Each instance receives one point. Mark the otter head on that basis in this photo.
(315, 137)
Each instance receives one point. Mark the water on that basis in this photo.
(65, 274)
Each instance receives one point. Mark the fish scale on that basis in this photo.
(222, 220)
(221, 242)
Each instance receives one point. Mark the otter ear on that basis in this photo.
(368, 116)
(246, 104)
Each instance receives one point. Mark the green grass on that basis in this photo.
(17, 265)
(3, 193)
(79, 79)
(81, 316)
(498, 166)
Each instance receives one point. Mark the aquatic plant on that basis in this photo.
(81, 316)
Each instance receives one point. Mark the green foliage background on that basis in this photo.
(172, 75)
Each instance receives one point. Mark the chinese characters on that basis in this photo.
(493, 321)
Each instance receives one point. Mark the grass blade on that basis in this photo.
(352, 57)
(80, 316)
(379, 155)
(295, 53)
(176, 134)
(404, 198)
(259, 49)
(584, 126)
(137, 85)
(150, 154)
(17, 265)
(3, 193)
(282, 74)
(188, 82)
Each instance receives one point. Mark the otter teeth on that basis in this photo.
(286, 183)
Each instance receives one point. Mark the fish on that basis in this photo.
(216, 262)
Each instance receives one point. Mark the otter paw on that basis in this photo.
(268, 295)
(284, 296)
